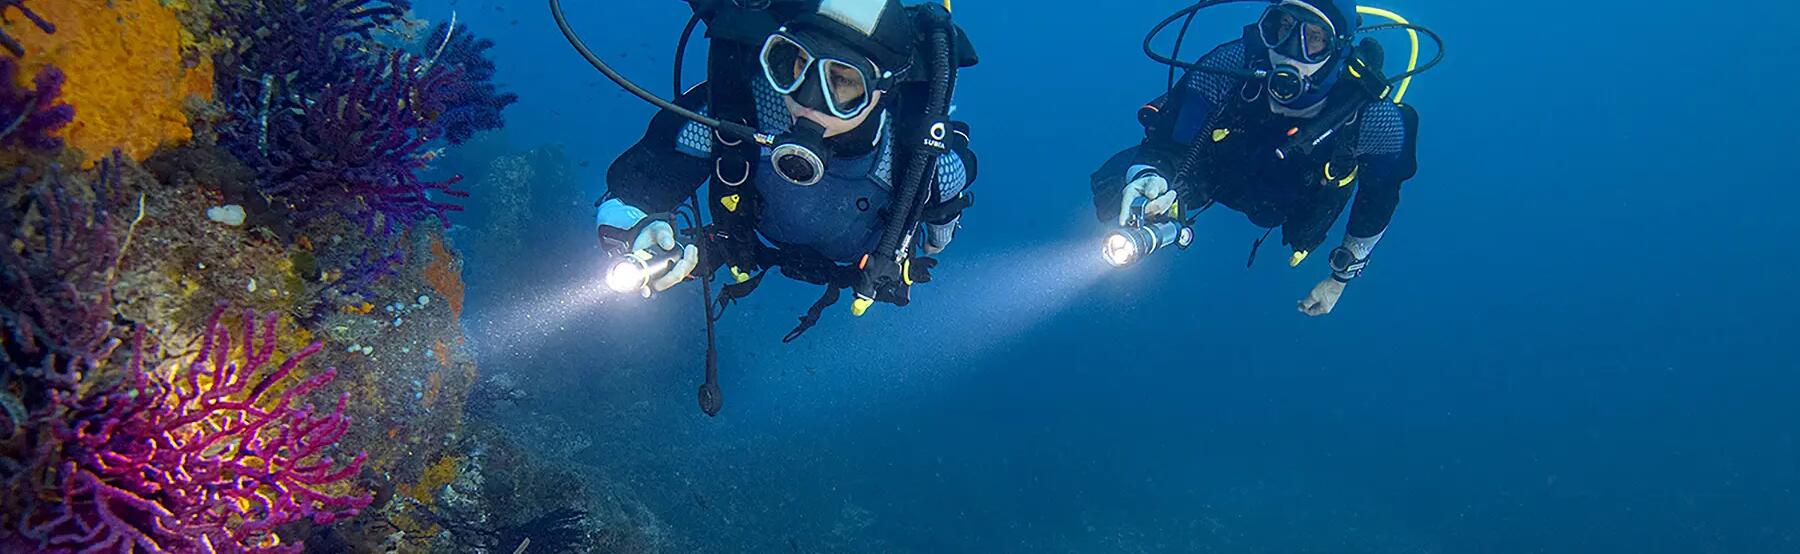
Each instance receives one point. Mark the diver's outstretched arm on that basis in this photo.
(1386, 158)
(1185, 114)
(656, 174)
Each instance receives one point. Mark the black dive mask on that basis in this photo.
(800, 153)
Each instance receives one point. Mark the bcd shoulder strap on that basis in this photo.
(731, 239)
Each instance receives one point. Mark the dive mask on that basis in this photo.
(1301, 43)
(821, 75)
(1298, 33)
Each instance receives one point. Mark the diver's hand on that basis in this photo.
(1151, 186)
(660, 236)
(1324, 297)
(938, 237)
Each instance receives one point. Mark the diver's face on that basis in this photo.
(833, 126)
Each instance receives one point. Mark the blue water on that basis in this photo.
(1578, 335)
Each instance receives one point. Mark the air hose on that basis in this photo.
(738, 130)
(896, 237)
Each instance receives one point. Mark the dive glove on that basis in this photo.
(1347, 263)
(625, 229)
(1147, 183)
(938, 236)
(916, 271)
(1323, 298)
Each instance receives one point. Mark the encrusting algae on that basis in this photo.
(445, 276)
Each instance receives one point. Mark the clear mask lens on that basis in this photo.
(785, 63)
(846, 87)
(1296, 34)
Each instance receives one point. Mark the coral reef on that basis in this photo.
(30, 116)
(182, 265)
(474, 102)
(129, 77)
(306, 194)
(208, 457)
(7, 42)
(340, 121)
(58, 259)
(108, 455)
(445, 275)
(282, 54)
(363, 148)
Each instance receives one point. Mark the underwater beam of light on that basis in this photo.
(1002, 295)
(530, 322)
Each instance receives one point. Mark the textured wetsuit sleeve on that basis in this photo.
(664, 168)
(1192, 107)
(1385, 149)
(955, 172)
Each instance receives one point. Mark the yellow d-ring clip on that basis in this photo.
(860, 306)
(1344, 182)
(1299, 256)
(730, 202)
(739, 274)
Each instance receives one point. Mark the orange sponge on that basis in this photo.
(127, 76)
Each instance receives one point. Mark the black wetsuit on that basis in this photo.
(1239, 169)
(838, 218)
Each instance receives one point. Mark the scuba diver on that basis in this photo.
(823, 129)
(1286, 125)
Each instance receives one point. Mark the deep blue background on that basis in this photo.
(1577, 337)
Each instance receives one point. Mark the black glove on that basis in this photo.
(917, 271)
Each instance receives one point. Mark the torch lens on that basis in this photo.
(627, 276)
(1119, 250)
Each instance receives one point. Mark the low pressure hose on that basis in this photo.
(925, 157)
(726, 127)
(1150, 50)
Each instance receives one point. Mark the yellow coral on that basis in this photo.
(127, 76)
(434, 478)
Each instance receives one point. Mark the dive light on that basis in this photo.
(1140, 237)
(634, 271)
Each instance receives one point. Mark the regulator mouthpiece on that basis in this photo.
(1287, 83)
(799, 155)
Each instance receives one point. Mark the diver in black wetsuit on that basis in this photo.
(1286, 125)
(833, 79)
(823, 128)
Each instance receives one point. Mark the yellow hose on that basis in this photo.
(1412, 63)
